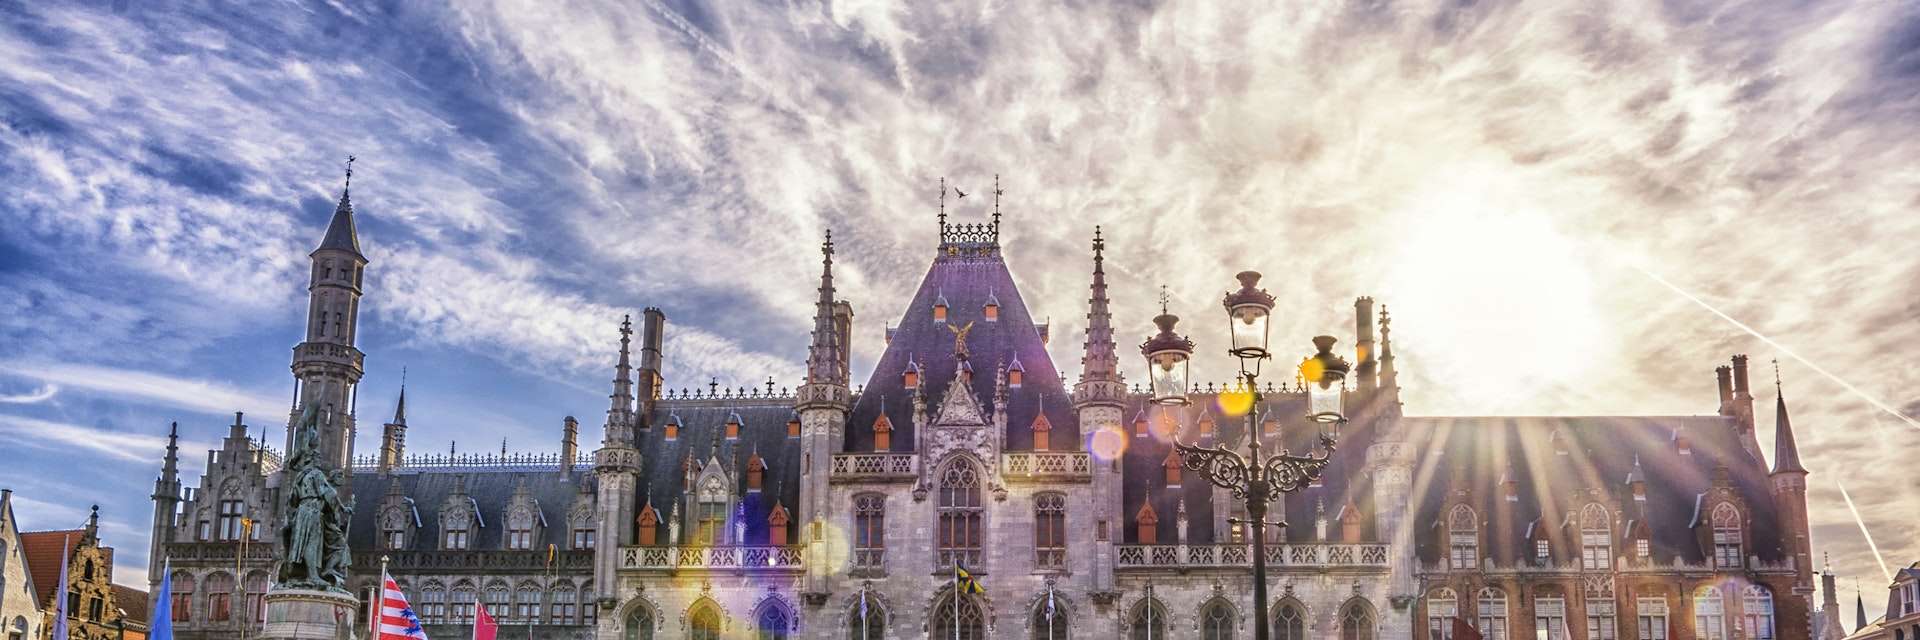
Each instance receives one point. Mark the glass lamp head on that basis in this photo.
(1249, 311)
(1325, 376)
(1167, 356)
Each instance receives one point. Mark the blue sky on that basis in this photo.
(1515, 181)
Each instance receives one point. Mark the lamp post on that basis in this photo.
(1255, 478)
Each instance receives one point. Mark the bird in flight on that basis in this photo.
(963, 194)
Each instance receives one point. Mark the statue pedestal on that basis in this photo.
(300, 614)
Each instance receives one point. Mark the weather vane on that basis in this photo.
(1163, 299)
(350, 171)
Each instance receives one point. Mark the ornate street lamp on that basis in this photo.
(1258, 480)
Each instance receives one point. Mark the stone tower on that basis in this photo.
(326, 361)
(1790, 498)
(823, 403)
(1098, 400)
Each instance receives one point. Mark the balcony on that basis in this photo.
(874, 467)
(1045, 467)
(1279, 556)
(488, 560)
(784, 558)
(220, 552)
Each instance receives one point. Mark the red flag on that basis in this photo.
(484, 627)
(1464, 631)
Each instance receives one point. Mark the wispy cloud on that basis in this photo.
(201, 396)
(42, 394)
(55, 436)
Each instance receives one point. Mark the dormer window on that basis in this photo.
(911, 377)
(992, 310)
(882, 434)
(649, 525)
(793, 425)
(672, 428)
(755, 468)
(940, 309)
(1463, 535)
(733, 426)
(777, 525)
(1140, 424)
(1542, 549)
(1015, 373)
(1726, 537)
(1172, 466)
(1041, 430)
(1206, 425)
(1147, 525)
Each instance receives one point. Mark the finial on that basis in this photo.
(769, 385)
(1163, 299)
(503, 446)
(943, 203)
(1776, 374)
(713, 387)
(1098, 243)
(996, 200)
(828, 247)
(350, 160)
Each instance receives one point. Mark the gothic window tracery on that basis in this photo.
(433, 603)
(1442, 606)
(773, 622)
(869, 531)
(710, 517)
(1290, 621)
(1493, 613)
(867, 620)
(1709, 614)
(1596, 538)
(563, 604)
(969, 623)
(1757, 609)
(639, 625)
(220, 596)
(1050, 530)
(1356, 620)
(1216, 620)
(1463, 535)
(960, 515)
(1726, 537)
(1149, 620)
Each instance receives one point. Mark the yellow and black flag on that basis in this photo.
(963, 580)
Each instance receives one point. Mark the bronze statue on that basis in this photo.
(313, 539)
(960, 340)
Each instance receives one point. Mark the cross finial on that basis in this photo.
(350, 171)
(1163, 299)
(943, 203)
(1099, 244)
(828, 247)
(1776, 374)
(996, 200)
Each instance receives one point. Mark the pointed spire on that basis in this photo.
(620, 414)
(400, 408)
(1101, 361)
(340, 232)
(823, 358)
(1388, 377)
(1859, 610)
(1786, 455)
(170, 465)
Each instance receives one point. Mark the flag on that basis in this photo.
(1464, 631)
(484, 628)
(396, 620)
(60, 596)
(1049, 603)
(161, 626)
(963, 580)
(863, 604)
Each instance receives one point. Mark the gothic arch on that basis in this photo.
(775, 614)
(879, 607)
(944, 597)
(705, 604)
(1137, 615)
(1358, 619)
(1280, 622)
(1218, 618)
(639, 602)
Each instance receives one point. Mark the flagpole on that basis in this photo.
(379, 604)
(239, 574)
(60, 612)
(956, 596)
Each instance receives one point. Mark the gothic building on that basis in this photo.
(96, 608)
(840, 510)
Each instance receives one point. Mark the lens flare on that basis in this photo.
(1234, 402)
(1107, 443)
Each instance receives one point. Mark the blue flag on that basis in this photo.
(60, 596)
(161, 627)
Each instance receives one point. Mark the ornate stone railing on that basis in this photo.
(714, 557)
(512, 461)
(489, 560)
(227, 552)
(1018, 466)
(1320, 555)
(874, 466)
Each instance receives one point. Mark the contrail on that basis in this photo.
(1783, 349)
(1863, 531)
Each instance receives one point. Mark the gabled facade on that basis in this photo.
(20, 614)
(836, 510)
(1902, 618)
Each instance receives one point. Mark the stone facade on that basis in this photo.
(832, 510)
(20, 614)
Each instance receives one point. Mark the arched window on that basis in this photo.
(1493, 613)
(1149, 620)
(433, 603)
(220, 597)
(774, 622)
(182, 604)
(710, 512)
(463, 599)
(255, 589)
(1726, 537)
(1356, 620)
(959, 515)
(1550, 617)
(498, 600)
(1443, 605)
(564, 598)
(1049, 619)
(1463, 536)
(969, 620)
(704, 624)
(1709, 614)
(1290, 621)
(1216, 620)
(1757, 609)
(869, 531)
(1600, 608)
(1596, 538)
(1050, 530)
(526, 602)
(1653, 618)
(867, 620)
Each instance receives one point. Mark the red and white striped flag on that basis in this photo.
(396, 620)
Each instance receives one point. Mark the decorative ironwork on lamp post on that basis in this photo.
(1258, 480)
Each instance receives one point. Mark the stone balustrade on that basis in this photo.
(1205, 556)
(870, 467)
(788, 558)
(1044, 466)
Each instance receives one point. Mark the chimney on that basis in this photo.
(1725, 373)
(1743, 408)
(1740, 388)
(238, 431)
(569, 447)
(653, 325)
(1363, 340)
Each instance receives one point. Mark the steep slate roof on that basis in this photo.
(763, 431)
(1144, 473)
(966, 283)
(490, 488)
(340, 232)
(43, 550)
(132, 604)
(1601, 452)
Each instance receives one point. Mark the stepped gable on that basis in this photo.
(42, 551)
(1601, 452)
(1343, 478)
(966, 281)
(763, 431)
(491, 488)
